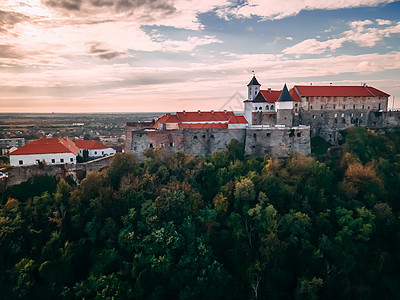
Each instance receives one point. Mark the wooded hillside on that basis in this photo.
(220, 227)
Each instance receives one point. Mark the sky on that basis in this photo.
(78, 56)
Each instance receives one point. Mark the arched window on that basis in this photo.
(267, 107)
(272, 107)
(260, 108)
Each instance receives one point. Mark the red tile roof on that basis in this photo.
(202, 119)
(202, 125)
(339, 91)
(89, 145)
(237, 120)
(204, 116)
(272, 96)
(168, 118)
(47, 146)
(294, 95)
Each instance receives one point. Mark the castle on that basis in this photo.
(274, 122)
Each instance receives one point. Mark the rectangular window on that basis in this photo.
(335, 115)
(151, 146)
(310, 106)
(95, 152)
(343, 115)
(102, 152)
(171, 144)
(334, 106)
(61, 160)
(21, 162)
(299, 134)
(354, 106)
(53, 160)
(344, 106)
(268, 134)
(38, 161)
(314, 116)
(363, 106)
(322, 107)
(361, 115)
(71, 159)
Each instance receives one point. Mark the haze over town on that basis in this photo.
(130, 56)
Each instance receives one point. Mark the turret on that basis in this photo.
(253, 88)
(284, 107)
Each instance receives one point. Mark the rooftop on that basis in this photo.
(47, 146)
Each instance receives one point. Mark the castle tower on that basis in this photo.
(284, 107)
(253, 88)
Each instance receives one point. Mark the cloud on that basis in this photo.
(9, 52)
(101, 52)
(175, 13)
(360, 33)
(383, 22)
(65, 4)
(277, 9)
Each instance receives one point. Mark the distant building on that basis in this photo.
(8, 145)
(51, 151)
(95, 149)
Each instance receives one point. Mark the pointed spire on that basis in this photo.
(254, 81)
(285, 96)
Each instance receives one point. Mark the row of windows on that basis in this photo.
(269, 134)
(203, 136)
(53, 161)
(344, 106)
(336, 115)
(151, 145)
(267, 107)
(316, 98)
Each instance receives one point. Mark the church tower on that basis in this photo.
(284, 107)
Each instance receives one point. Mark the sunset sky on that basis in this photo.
(170, 55)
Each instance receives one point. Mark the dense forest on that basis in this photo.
(220, 227)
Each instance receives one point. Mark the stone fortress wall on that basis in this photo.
(286, 128)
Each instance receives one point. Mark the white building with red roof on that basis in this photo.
(95, 149)
(51, 151)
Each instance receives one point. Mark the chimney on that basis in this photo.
(269, 90)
